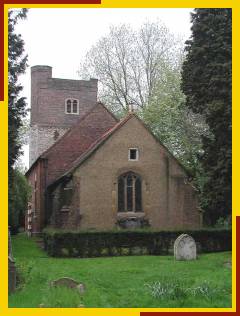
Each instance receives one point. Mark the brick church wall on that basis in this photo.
(48, 118)
(168, 200)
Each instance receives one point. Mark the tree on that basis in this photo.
(17, 63)
(129, 63)
(143, 67)
(206, 82)
(18, 203)
(177, 127)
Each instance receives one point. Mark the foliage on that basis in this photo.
(122, 242)
(175, 289)
(20, 191)
(117, 281)
(224, 223)
(17, 63)
(167, 289)
(177, 127)
(129, 63)
(207, 85)
(142, 68)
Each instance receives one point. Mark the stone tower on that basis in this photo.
(56, 104)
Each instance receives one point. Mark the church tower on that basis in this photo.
(56, 104)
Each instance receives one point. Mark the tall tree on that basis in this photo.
(176, 126)
(143, 67)
(206, 82)
(17, 63)
(129, 63)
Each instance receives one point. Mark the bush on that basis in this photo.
(224, 222)
(175, 289)
(19, 193)
(120, 243)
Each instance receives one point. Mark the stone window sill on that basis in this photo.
(121, 215)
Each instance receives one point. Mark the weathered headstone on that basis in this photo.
(70, 283)
(185, 248)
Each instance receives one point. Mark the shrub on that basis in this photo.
(175, 289)
(170, 289)
(117, 243)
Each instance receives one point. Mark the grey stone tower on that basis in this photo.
(56, 104)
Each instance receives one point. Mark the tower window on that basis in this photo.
(133, 154)
(71, 106)
(74, 106)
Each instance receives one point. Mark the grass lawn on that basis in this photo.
(131, 281)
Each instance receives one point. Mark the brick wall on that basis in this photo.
(169, 202)
(62, 216)
(37, 181)
(48, 115)
(56, 161)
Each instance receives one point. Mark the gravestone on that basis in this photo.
(70, 283)
(185, 248)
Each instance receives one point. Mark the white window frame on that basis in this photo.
(72, 99)
(137, 154)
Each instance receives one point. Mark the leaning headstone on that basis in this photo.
(185, 248)
(70, 283)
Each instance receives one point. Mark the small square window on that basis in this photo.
(133, 154)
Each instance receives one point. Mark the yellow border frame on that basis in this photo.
(4, 157)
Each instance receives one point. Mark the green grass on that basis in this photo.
(137, 281)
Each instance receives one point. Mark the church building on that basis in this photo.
(90, 171)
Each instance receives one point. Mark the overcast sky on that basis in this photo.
(61, 37)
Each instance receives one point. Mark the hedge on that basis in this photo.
(118, 243)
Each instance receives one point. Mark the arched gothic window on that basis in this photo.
(129, 193)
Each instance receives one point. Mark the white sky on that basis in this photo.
(61, 37)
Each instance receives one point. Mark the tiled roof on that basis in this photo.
(76, 141)
(97, 143)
